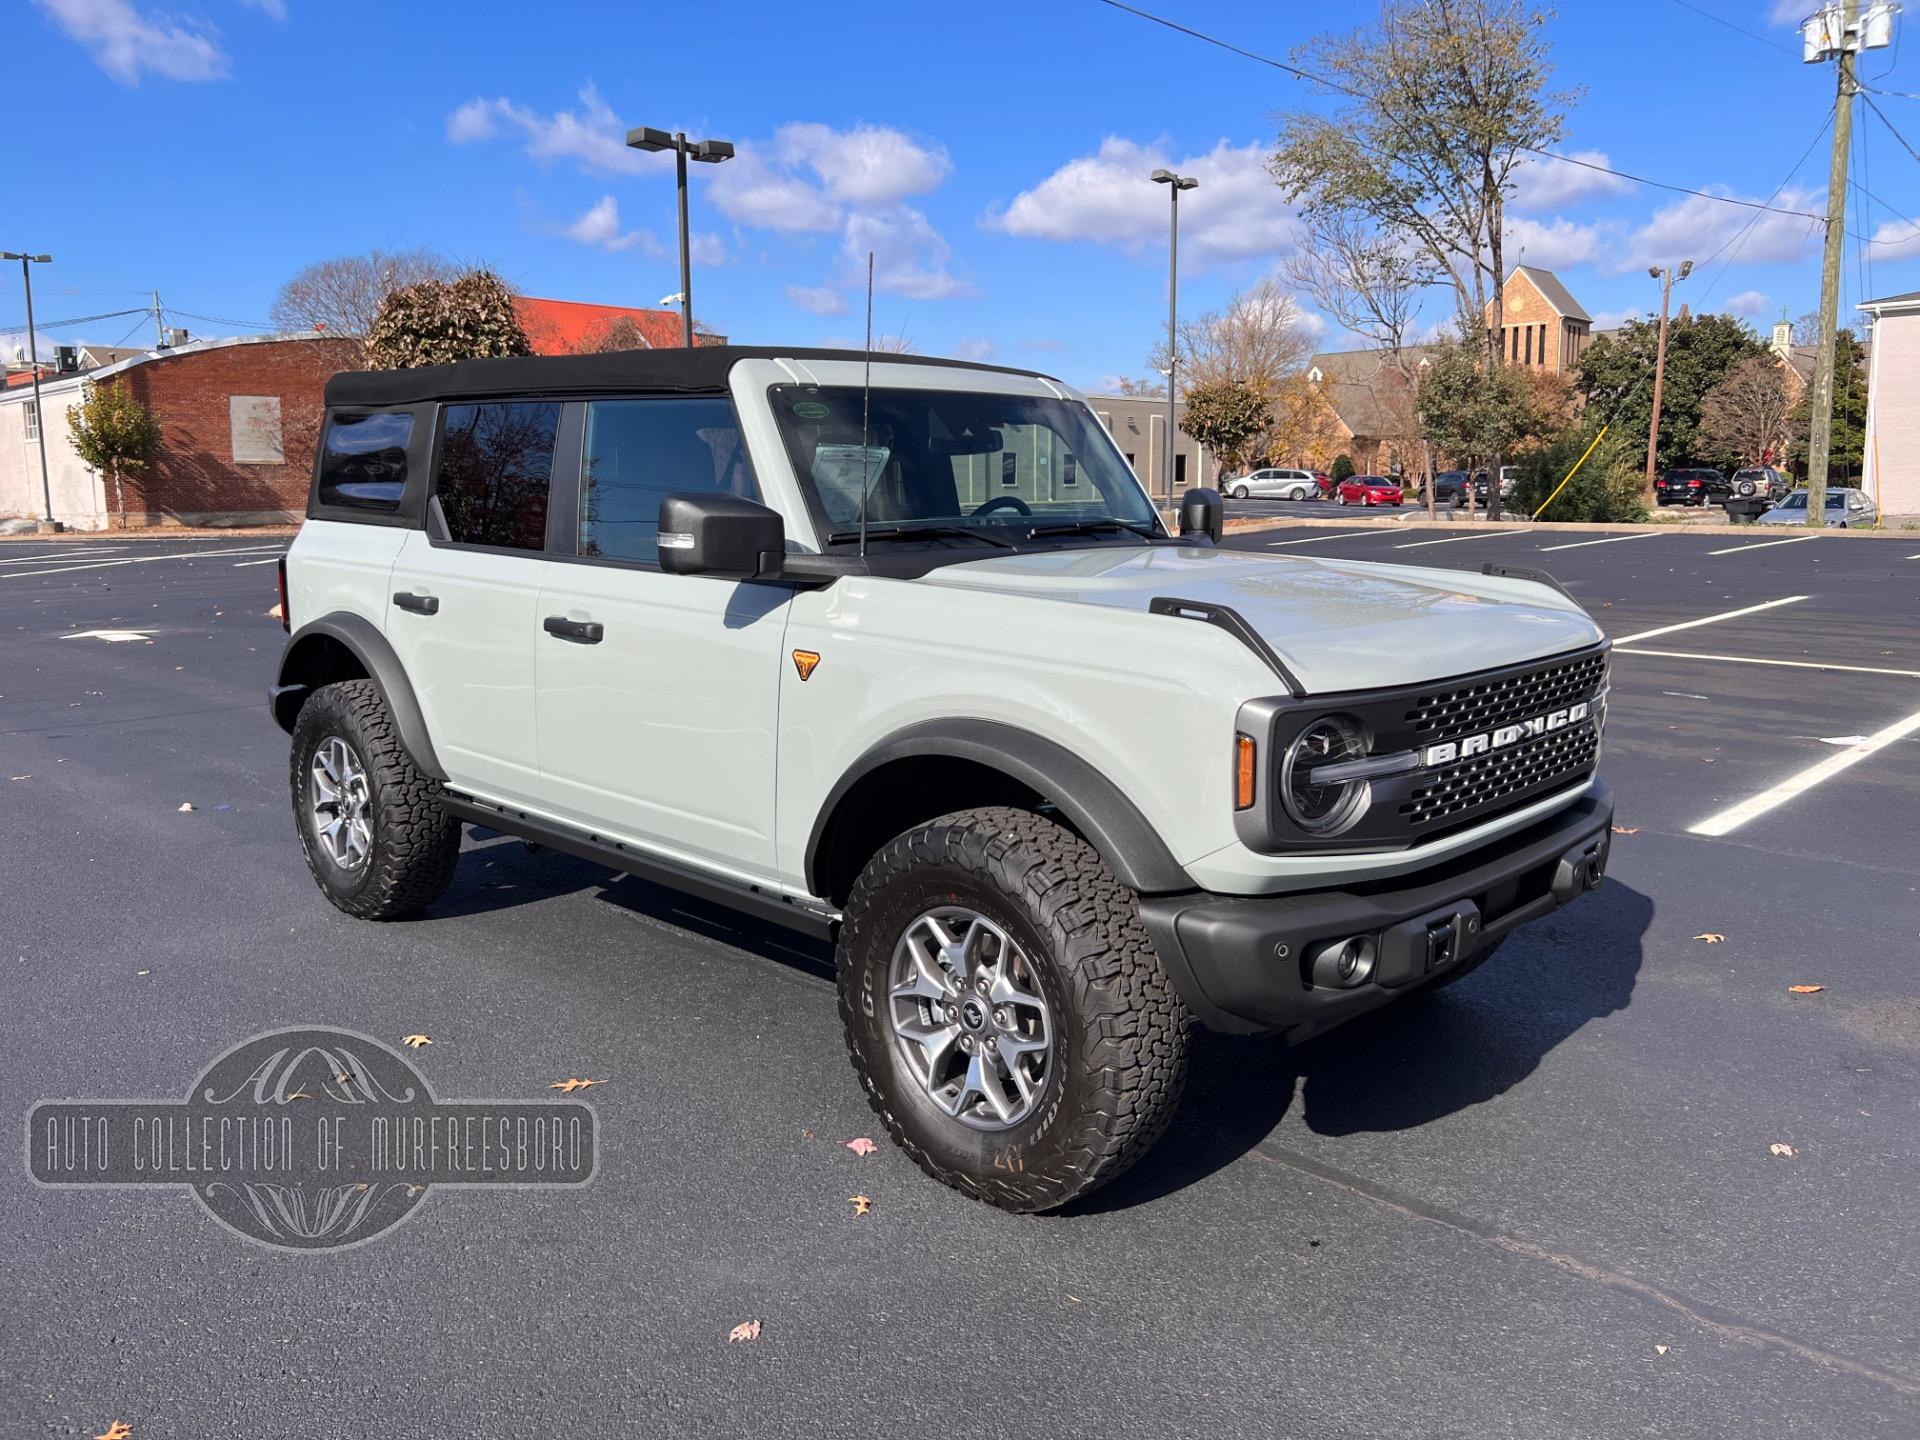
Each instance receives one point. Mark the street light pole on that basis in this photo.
(1666, 277)
(1175, 184)
(33, 361)
(710, 152)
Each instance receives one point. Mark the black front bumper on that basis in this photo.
(1247, 963)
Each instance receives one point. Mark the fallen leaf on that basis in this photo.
(572, 1085)
(745, 1330)
(299, 1095)
(862, 1146)
(806, 1134)
(1706, 759)
(185, 806)
(1659, 1349)
(1785, 1152)
(1626, 829)
(416, 1041)
(118, 1430)
(20, 777)
(861, 1205)
(1076, 1299)
(1805, 989)
(274, 613)
(1710, 937)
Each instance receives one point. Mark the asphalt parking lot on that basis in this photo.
(1544, 1205)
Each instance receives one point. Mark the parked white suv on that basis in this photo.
(1272, 484)
(916, 666)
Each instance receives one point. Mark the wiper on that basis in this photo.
(1092, 527)
(915, 532)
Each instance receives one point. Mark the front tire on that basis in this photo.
(370, 821)
(1005, 1010)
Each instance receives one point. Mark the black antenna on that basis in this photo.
(866, 400)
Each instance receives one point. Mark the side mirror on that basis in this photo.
(720, 535)
(1203, 512)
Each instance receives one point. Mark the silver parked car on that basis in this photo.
(1273, 484)
(1845, 506)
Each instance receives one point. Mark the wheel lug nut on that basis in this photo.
(993, 1043)
(981, 985)
(966, 1043)
(1003, 1017)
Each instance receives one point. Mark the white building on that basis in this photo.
(1892, 461)
(79, 499)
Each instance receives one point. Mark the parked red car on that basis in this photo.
(1325, 482)
(1368, 490)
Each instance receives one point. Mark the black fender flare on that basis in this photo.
(1094, 806)
(376, 655)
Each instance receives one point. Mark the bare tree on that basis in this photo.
(619, 333)
(1256, 339)
(1745, 416)
(342, 296)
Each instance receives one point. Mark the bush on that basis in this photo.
(436, 321)
(1342, 468)
(1609, 488)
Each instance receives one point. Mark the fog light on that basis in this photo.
(1345, 963)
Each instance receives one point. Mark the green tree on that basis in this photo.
(1227, 416)
(1616, 376)
(1845, 459)
(1609, 487)
(434, 321)
(1470, 414)
(114, 433)
(1342, 468)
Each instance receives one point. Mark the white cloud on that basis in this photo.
(974, 350)
(818, 299)
(593, 137)
(909, 257)
(1896, 240)
(1540, 183)
(1551, 244)
(125, 42)
(1614, 319)
(600, 228)
(867, 165)
(751, 190)
(1748, 303)
(1108, 198)
(1695, 227)
(1042, 344)
(1791, 12)
(276, 8)
(706, 248)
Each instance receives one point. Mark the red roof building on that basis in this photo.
(569, 327)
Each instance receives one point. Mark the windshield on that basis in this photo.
(1000, 465)
(1798, 500)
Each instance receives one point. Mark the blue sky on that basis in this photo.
(993, 156)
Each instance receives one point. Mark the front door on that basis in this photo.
(462, 613)
(659, 694)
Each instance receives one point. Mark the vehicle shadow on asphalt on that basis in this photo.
(1410, 1063)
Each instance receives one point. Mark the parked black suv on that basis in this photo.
(1692, 487)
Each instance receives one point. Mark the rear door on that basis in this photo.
(658, 694)
(462, 613)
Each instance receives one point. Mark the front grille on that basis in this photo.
(1501, 775)
(1493, 703)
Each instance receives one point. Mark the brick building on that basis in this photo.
(239, 419)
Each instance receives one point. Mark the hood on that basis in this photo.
(1338, 624)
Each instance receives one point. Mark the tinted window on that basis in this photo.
(638, 451)
(496, 462)
(363, 463)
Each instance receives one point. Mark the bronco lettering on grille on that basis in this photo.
(1451, 750)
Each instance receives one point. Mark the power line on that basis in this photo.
(1738, 239)
(1737, 29)
(218, 320)
(40, 324)
(1348, 91)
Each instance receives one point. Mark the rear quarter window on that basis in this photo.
(363, 461)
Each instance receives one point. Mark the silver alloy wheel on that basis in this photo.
(967, 1013)
(340, 804)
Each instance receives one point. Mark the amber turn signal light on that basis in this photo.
(1243, 772)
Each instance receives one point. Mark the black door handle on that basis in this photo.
(585, 632)
(419, 604)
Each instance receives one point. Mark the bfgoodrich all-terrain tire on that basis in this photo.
(370, 822)
(1005, 1009)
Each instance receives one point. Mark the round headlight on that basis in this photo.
(1324, 809)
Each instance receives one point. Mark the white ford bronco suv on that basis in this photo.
(898, 651)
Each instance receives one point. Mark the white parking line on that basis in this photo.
(1316, 539)
(1766, 544)
(242, 564)
(1785, 664)
(1734, 816)
(1608, 540)
(1485, 535)
(139, 560)
(1707, 620)
(67, 554)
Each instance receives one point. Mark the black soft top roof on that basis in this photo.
(702, 369)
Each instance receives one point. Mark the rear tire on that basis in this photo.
(1099, 1037)
(370, 821)
(1239, 492)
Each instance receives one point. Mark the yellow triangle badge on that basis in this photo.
(804, 661)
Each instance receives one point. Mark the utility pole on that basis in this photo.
(1842, 41)
(1175, 184)
(1666, 277)
(33, 364)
